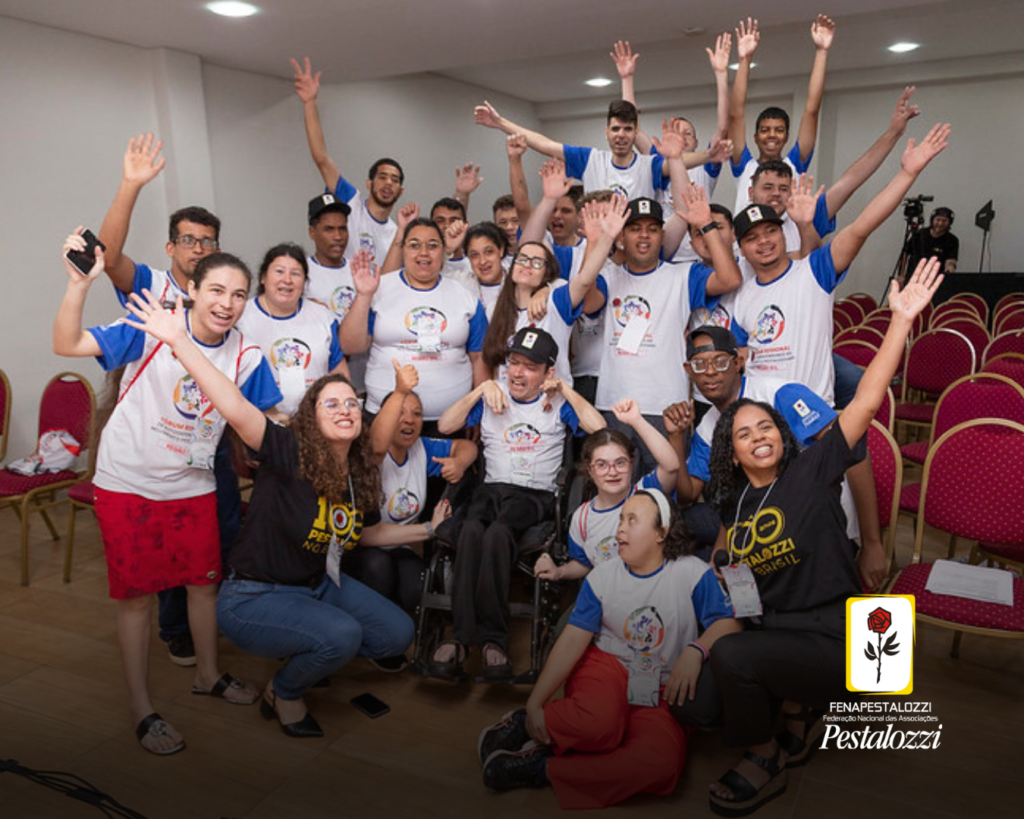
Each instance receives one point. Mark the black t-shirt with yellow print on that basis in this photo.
(797, 546)
(288, 528)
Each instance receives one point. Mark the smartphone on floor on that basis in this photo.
(370, 705)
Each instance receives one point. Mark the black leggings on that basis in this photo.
(395, 573)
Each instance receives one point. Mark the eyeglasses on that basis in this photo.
(415, 245)
(719, 362)
(190, 241)
(534, 262)
(604, 467)
(334, 405)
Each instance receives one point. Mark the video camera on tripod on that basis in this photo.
(913, 210)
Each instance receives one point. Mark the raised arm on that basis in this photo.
(382, 430)
(822, 32)
(307, 86)
(142, 163)
(627, 411)
(555, 185)
(354, 332)
(169, 327)
(602, 224)
(515, 147)
(747, 38)
(725, 276)
(905, 306)
(850, 239)
(676, 418)
(859, 172)
(487, 116)
(590, 419)
(801, 208)
(719, 59)
(454, 418)
(69, 338)
(625, 63)
(467, 180)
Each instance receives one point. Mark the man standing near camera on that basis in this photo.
(935, 240)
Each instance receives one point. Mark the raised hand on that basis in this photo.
(407, 377)
(75, 242)
(307, 84)
(917, 157)
(803, 201)
(677, 417)
(625, 59)
(720, 150)
(905, 111)
(553, 179)
(451, 470)
(494, 397)
(365, 276)
(692, 205)
(627, 411)
(487, 116)
(467, 179)
(454, 234)
(152, 317)
(747, 38)
(515, 145)
(142, 160)
(918, 292)
(822, 32)
(604, 218)
(719, 57)
(406, 214)
(671, 145)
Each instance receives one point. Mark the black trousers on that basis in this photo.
(397, 574)
(489, 542)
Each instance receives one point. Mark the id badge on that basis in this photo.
(522, 471)
(633, 336)
(644, 682)
(746, 602)
(334, 561)
(429, 343)
(293, 382)
(203, 448)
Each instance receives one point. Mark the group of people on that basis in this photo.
(364, 376)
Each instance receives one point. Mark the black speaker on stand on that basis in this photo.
(983, 219)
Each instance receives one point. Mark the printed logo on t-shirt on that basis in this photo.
(289, 353)
(403, 505)
(644, 629)
(615, 187)
(770, 323)
(366, 243)
(189, 400)
(758, 542)
(426, 321)
(606, 549)
(341, 299)
(719, 317)
(522, 435)
(333, 521)
(629, 306)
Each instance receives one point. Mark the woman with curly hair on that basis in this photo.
(782, 517)
(630, 649)
(315, 478)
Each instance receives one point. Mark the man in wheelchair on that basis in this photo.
(522, 432)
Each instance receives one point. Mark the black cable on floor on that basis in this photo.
(72, 786)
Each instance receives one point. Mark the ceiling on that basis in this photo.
(538, 50)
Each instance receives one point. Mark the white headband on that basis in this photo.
(664, 510)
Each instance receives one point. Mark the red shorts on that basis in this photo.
(156, 545)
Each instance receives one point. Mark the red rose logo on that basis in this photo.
(879, 621)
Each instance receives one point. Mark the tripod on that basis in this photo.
(899, 270)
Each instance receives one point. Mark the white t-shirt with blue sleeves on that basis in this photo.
(364, 232)
(592, 531)
(405, 484)
(649, 617)
(158, 282)
(596, 169)
(744, 172)
(787, 323)
(160, 440)
(822, 224)
(557, 322)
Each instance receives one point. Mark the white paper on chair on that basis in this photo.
(972, 582)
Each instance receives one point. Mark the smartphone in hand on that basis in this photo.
(83, 260)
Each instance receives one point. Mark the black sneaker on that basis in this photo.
(505, 770)
(181, 650)
(508, 735)
(392, 664)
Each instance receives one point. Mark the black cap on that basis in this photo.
(326, 202)
(722, 341)
(536, 344)
(753, 215)
(644, 208)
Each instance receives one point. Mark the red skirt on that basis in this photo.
(155, 545)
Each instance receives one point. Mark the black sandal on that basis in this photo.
(746, 798)
(799, 749)
(451, 670)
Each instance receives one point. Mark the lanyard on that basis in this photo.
(736, 520)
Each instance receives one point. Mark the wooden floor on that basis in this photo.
(63, 708)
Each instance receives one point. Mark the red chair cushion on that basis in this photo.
(11, 483)
(974, 613)
(1009, 552)
(910, 497)
(916, 452)
(82, 492)
(923, 413)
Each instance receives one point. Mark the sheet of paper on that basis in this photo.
(957, 579)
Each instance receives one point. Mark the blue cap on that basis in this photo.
(804, 410)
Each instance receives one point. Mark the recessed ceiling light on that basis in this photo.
(599, 82)
(232, 8)
(736, 66)
(903, 48)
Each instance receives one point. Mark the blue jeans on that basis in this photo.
(319, 630)
(848, 376)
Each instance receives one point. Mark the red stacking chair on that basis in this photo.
(879, 320)
(859, 352)
(865, 300)
(1009, 364)
(950, 307)
(1009, 342)
(5, 413)
(886, 411)
(976, 301)
(855, 311)
(936, 359)
(67, 403)
(1005, 307)
(842, 319)
(972, 488)
(887, 468)
(1010, 320)
(861, 333)
(974, 331)
(80, 496)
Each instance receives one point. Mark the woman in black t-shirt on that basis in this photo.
(784, 519)
(314, 479)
